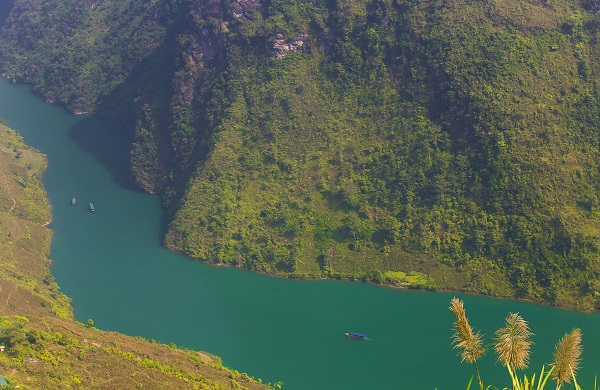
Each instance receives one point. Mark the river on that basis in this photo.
(112, 265)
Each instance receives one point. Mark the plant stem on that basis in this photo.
(478, 376)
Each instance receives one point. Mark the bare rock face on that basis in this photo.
(241, 8)
(283, 46)
(94, 4)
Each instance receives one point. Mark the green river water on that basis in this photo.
(112, 265)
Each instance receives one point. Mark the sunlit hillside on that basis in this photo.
(427, 144)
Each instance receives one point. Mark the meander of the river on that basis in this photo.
(112, 265)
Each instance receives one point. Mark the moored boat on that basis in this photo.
(92, 207)
(73, 201)
(360, 336)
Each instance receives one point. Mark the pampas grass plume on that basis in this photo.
(512, 342)
(469, 343)
(566, 357)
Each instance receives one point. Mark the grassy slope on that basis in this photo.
(45, 348)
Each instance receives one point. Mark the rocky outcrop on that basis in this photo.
(282, 46)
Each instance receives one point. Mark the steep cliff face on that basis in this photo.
(172, 128)
(433, 144)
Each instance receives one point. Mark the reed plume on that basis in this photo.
(469, 343)
(566, 357)
(464, 339)
(512, 342)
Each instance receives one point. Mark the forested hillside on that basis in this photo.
(424, 143)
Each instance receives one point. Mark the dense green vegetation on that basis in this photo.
(430, 144)
(43, 347)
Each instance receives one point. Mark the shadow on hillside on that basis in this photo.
(109, 142)
(5, 8)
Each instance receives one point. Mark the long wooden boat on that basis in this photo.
(354, 335)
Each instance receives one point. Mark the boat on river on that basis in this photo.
(92, 207)
(354, 335)
(73, 201)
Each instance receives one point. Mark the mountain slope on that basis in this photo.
(431, 144)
